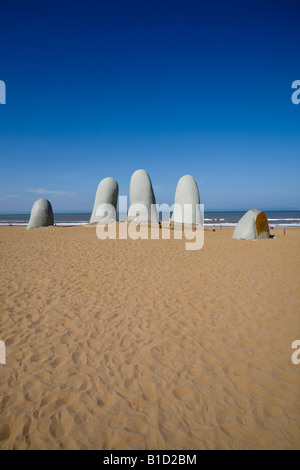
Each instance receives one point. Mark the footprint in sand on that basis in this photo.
(57, 430)
(79, 416)
(58, 362)
(78, 382)
(148, 389)
(36, 358)
(184, 394)
(4, 432)
(3, 404)
(137, 425)
(79, 358)
(33, 395)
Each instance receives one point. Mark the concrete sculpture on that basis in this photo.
(187, 202)
(105, 205)
(41, 214)
(253, 225)
(142, 200)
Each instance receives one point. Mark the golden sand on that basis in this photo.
(124, 344)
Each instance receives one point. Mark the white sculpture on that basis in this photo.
(142, 200)
(253, 225)
(187, 202)
(41, 214)
(105, 205)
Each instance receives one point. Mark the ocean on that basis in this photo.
(226, 219)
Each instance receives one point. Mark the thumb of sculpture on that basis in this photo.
(41, 214)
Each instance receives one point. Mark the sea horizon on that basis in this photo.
(276, 218)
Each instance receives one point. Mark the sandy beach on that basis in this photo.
(140, 344)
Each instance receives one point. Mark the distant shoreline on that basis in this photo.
(211, 218)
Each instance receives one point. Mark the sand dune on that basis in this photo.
(124, 344)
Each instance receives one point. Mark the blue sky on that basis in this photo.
(98, 89)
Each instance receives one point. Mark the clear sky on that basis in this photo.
(102, 88)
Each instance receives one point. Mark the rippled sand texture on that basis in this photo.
(143, 345)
